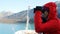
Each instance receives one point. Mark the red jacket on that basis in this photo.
(52, 26)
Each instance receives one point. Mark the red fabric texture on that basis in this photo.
(52, 26)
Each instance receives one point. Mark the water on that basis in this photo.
(12, 28)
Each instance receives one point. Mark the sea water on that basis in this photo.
(12, 28)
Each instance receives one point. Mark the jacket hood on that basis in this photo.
(52, 10)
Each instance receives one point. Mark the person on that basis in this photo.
(50, 23)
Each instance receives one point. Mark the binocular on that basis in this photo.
(41, 8)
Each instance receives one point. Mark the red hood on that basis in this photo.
(52, 10)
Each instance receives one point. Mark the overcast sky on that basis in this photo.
(20, 5)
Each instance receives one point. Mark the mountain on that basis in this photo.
(22, 16)
(58, 3)
(4, 13)
(58, 8)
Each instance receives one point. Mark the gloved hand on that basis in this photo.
(38, 8)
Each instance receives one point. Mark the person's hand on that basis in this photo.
(38, 8)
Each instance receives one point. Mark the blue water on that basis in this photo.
(12, 28)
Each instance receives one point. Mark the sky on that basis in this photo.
(20, 5)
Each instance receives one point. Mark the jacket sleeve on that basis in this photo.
(43, 27)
